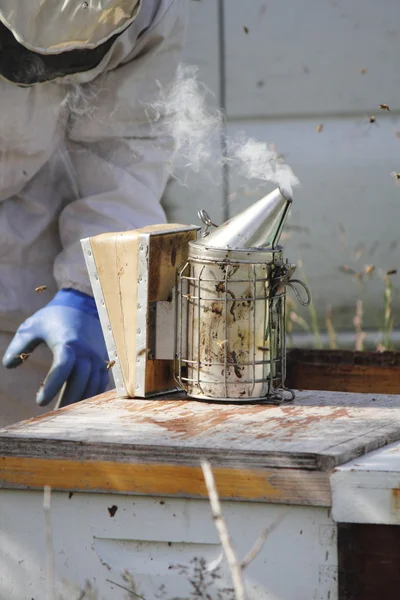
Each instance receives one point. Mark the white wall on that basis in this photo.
(298, 66)
(182, 201)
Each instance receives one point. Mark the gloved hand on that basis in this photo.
(70, 327)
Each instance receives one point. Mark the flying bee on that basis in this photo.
(24, 356)
(245, 29)
(384, 107)
(319, 128)
(363, 70)
(347, 269)
(109, 364)
(372, 120)
(391, 272)
(40, 289)
(395, 175)
(369, 269)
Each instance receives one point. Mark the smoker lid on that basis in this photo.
(258, 226)
(54, 26)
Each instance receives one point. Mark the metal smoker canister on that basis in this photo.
(231, 309)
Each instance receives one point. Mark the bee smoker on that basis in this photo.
(199, 311)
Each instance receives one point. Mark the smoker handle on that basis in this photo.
(305, 287)
(206, 220)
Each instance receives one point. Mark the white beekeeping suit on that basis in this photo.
(78, 153)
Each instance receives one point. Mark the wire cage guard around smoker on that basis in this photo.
(231, 324)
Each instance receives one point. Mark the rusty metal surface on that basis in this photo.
(318, 431)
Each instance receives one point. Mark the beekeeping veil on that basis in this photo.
(64, 35)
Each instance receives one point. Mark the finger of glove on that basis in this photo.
(77, 382)
(92, 384)
(22, 343)
(104, 381)
(63, 364)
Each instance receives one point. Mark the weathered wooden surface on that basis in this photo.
(317, 431)
(278, 486)
(344, 371)
(259, 452)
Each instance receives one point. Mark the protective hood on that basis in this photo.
(55, 26)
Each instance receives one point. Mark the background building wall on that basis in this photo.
(286, 69)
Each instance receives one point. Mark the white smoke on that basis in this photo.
(182, 114)
(253, 160)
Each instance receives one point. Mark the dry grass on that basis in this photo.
(296, 322)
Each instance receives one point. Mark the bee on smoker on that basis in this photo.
(24, 356)
(109, 364)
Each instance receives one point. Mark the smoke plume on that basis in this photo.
(182, 114)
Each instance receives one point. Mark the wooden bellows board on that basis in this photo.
(128, 272)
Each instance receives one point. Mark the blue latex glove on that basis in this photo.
(70, 327)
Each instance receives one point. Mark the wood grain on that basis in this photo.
(344, 371)
(272, 485)
(167, 252)
(117, 260)
(369, 558)
(317, 431)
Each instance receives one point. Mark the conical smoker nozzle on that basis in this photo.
(259, 226)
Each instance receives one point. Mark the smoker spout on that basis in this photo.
(258, 226)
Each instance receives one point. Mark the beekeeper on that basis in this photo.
(79, 156)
